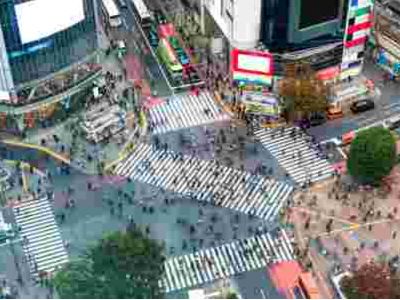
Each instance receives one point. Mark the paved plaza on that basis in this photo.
(338, 228)
(87, 206)
(225, 202)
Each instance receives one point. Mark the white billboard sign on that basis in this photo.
(253, 63)
(38, 19)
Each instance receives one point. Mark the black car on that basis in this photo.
(362, 105)
(317, 119)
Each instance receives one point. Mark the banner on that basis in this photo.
(264, 109)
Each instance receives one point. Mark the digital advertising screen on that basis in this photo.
(260, 104)
(252, 62)
(310, 16)
(38, 19)
(252, 67)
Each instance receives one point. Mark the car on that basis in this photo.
(334, 112)
(362, 106)
(317, 119)
(392, 123)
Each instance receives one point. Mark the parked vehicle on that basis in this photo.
(334, 112)
(362, 106)
(393, 123)
(317, 119)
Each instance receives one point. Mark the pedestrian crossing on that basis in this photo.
(206, 181)
(296, 153)
(208, 265)
(42, 242)
(185, 110)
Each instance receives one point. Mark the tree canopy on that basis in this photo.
(121, 265)
(371, 281)
(302, 91)
(372, 155)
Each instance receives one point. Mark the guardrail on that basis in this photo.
(39, 148)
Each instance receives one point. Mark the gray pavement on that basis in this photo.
(99, 211)
(256, 285)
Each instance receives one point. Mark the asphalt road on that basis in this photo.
(387, 104)
(136, 44)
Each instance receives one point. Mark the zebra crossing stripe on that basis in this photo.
(206, 181)
(220, 266)
(168, 278)
(237, 266)
(44, 247)
(286, 145)
(185, 110)
(226, 260)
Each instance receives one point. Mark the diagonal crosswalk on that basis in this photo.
(296, 153)
(42, 242)
(185, 110)
(208, 265)
(206, 181)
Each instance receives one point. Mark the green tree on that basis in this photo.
(372, 155)
(302, 91)
(231, 295)
(121, 265)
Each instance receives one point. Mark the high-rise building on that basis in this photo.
(40, 39)
(239, 20)
(329, 34)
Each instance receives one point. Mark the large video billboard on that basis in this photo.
(311, 16)
(252, 66)
(38, 19)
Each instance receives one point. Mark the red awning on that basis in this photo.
(328, 73)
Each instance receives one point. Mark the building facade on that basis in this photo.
(386, 36)
(358, 28)
(39, 38)
(239, 21)
(331, 38)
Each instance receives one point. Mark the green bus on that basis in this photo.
(167, 57)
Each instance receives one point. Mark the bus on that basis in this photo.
(142, 13)
(111, 13)
(168, 58)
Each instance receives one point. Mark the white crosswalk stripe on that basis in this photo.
(208, 265)
(295, 153)
(42, 242)
(208, 181)
(185, 110)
